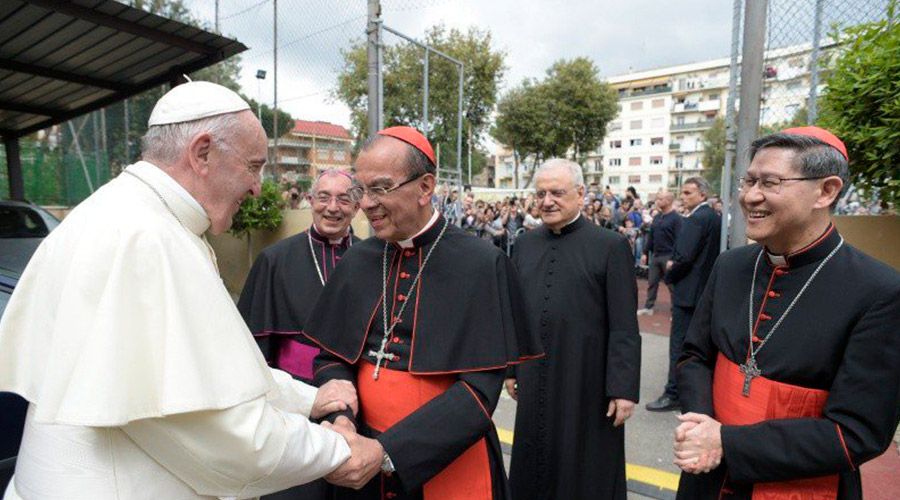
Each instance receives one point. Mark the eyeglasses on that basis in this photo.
(770, 184)
(377, 192)
(345, 200)
(555, 194)
(254, 169)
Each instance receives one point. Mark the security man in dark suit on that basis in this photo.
(696, 249)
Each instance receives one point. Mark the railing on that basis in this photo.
(691, 126)
(674, 146)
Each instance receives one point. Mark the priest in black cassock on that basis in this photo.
(287, 278)
(582, 297)
(424, 319)
(790, 372)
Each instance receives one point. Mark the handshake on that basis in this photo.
(366, 455)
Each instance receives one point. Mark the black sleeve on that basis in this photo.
(698, 359)
(688, 245)
(623, 364)
(327, 367)
(253, 305)
(649, 242)
(859, 419)
(428, 440)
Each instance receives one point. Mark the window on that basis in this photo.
(637, 105)
(657, 103)
(634, 161)
(656, 160)
(613, 179)
(634, 142)
(339, 155)
(636, 124)
(679, 120)
(657, 179)
(615, 162)
(713, 97)
(598, 165)
(679, 161)
(656, 141)
(322, 154)
(615, 144)
(634, 179)
(658, 123)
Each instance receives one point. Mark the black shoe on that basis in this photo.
(663, 403)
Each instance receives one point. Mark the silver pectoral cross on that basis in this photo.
(750, 371)
(380, 356)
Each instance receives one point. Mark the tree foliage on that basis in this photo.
(861, 104)
(404, 89)
(567, 111)
(713, 141)
(261, 212)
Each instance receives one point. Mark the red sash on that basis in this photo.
(396, 394)
(770, 400)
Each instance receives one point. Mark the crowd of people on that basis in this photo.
(378, 363)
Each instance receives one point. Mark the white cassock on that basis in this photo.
(142, 378)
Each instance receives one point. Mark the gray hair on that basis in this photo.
(166, 143)
(355, 186)
(814, 158)
(701, 183)
(574, 169)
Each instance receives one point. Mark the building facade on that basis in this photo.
(309, 148)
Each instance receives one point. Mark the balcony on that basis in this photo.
(698, 125)
(713, 105)
(684, 107)
(293, 160)
(662, 89)
(674, 146)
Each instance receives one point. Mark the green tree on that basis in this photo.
(526, 123)
(714, 154)
(260, 212)
(403, 89)
(861, 104)
(583, 105)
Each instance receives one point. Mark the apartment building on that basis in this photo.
(309, 148)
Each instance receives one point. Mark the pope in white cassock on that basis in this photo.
(142, 378)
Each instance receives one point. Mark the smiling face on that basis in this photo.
(333, 205)
(235, 166)
(562, 199)
(780, 219)
(401, 213)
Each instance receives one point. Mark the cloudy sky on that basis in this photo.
(619, 35)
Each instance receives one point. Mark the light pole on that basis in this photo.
(260, 76)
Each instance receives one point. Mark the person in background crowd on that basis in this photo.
(660, 246)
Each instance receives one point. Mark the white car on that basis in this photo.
(23, 226)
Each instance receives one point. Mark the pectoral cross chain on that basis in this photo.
(380, 356)
(750, 371)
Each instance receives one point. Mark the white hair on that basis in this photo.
(335, 172)
(166, 143)
(573, 168)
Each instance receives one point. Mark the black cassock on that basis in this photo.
(582, 298)
(841, 337)
(463, 325)
(280, 290)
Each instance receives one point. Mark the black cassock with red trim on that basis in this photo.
(840, 342)
(464, 321)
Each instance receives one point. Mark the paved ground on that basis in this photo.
(648, 435)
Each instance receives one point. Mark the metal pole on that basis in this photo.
(14, 169)
(87, 176)
(751, 90)
(425, 96)
(730, 133)
(459, 123)
(469, 155)
(275, 87)
(127, 133)
(379, 51)
(374, 70)
(217, 17)
(811, 108)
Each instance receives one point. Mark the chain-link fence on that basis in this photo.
(799, 47)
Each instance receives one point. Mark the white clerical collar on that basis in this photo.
(188, 209)
(333, 241)
(408, 243)
(778, 260)
(573, 220)
(695, 208)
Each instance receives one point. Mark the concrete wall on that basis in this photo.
(876, 235)
(235, 256)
